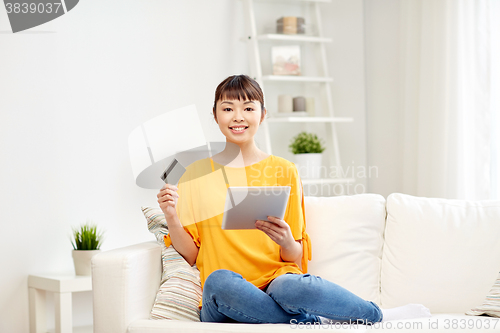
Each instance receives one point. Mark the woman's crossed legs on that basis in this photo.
(290, 298)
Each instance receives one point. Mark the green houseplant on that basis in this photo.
(306, 143)
(86, 241)
(307, 149)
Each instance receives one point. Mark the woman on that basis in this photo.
(254, 276)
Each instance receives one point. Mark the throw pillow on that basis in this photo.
(180, 289)
(347, 236)
(491, 305)
(431, 251)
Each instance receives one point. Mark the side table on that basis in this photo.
(62, 286)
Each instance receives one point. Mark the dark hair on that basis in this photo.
(240, 87)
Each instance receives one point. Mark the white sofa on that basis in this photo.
(442, 253)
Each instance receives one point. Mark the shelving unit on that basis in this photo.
(292, 38)
(323, 80)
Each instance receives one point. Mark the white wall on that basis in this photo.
(72, 90)
(344, 23)
(382, 55)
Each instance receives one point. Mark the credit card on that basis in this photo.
(173, 173)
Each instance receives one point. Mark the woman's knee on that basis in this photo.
(219, 280)
(298, 283)
(292, 280)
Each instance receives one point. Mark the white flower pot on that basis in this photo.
(309, 165)
(81, 259)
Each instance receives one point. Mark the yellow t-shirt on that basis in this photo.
(251, 253)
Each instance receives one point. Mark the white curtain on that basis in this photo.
(450, 110)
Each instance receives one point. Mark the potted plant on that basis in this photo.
(307, 149)
(86, 243)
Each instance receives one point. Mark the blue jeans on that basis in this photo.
(289, 298)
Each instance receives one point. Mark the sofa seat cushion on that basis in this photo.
(444, 254)
(347, 238)
(439, 323)
(162, 326)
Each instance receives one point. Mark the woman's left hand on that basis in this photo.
(278, 230)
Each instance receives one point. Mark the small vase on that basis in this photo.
(81, 259)
(309, 165)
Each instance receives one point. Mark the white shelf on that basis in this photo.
(327, 181)
(310, 120)
(295, 38)
(297, 78)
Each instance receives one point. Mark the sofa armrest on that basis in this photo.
(125, 282)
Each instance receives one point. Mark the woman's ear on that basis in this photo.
(263, 115)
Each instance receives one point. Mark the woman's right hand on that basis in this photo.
(167, 198)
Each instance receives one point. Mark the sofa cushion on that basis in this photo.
(442, 253)
(347, 238)
(180, 290)
(439, 323)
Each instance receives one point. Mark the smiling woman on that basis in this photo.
(258, 275)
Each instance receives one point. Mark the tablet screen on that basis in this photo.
(246, 204)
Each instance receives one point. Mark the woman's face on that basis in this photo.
(238, 120)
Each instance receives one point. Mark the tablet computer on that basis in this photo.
(246, 204)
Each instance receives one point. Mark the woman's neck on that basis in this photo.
(239, 155)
